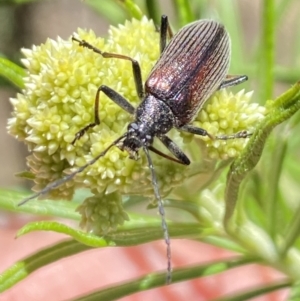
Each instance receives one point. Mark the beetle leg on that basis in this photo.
(199, 131)
(174, 149)
(165, 30)
(195, 130)
(233, 80)
(241, 134)
(158, 152)
(136, 69)
(115, 97)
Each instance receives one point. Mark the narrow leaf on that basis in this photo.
(159, 279)
(83, 237)
(12, 72)
(258, 291)
(9, 200)
(295, 292)
(25, 267)
(133, 233)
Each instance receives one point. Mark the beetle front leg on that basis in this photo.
(115, 97)
(136, 69)
(175, 150)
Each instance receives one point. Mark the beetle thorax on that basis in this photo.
(153, 118)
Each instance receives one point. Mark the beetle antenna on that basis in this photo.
(161, 210)
(66, 178)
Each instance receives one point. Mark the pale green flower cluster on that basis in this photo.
(102, 213)
(58, 101)
(226, 113)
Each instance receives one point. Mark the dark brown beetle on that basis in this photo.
(191, 68)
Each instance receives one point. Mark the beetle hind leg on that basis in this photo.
(242, 134)
(202, 132)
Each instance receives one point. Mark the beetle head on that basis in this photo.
(137, 136)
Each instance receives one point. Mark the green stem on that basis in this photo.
(133, 9)
(266, 66)
(153, 10)
(184, 12)
(88, 239)
(9, 201)
(12, 72)
(258, 291)
(282, 109)
(159, 279)
(292, 233)
(23, 268)
(272, 183)
(133, 233)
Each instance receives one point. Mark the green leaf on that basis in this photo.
(153, 10)
(108, 9)
(80, 236)
(184, 12)
(133, 9)
(258, 291)
(229, 15)
(25, 267)
(295, 292)
(132, 233)
(127, 236)
(159, 279)
(12, 72)
(9, 200)
(267, 51)
(292, 232)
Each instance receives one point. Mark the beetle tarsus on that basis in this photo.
(242, 134)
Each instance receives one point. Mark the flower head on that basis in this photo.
(226, 113)
(102, 213)
(58, 101)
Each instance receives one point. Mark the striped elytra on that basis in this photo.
(191, 68)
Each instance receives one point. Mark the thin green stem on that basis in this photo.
(133, 9)
(88, 239)
(159, 279)
(133, 233)
(153, 10)
(231, 17)
(283, 108)
(273, 186)
(27, 266)
(12, 72)
(258, 291)
(184, 12)
(292, 233)
(9, 200)
(266, 66)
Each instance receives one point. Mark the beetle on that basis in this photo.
(191, 67)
